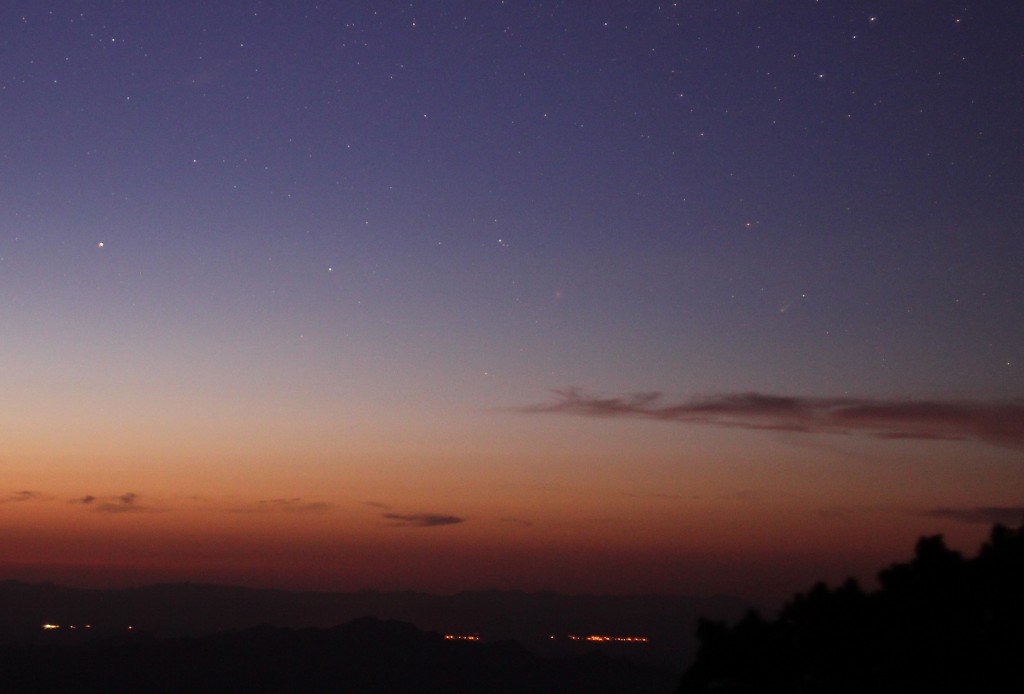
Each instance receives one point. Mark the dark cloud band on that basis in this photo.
(25, 495)
(996, 423)
(983, 515)
(294, 505)
(422, 520)
(123, 503)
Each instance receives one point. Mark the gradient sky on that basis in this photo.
(688, 297)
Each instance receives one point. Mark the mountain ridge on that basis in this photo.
(195, 609)
(366, 655)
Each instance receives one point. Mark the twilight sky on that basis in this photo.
(695, 297)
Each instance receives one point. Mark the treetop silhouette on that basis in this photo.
(939, 623)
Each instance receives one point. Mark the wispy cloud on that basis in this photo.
(25, 495)
(982, 515)
(650, 495)
(295, 505)
(422, 520)
(997, 423)
(124, 503)
(377, 504)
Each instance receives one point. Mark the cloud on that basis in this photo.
(377, 504)
(649, 495)
(295, 505)
(422, 520)
(25, 495)
(124, 503)
(983, 515)
(996, 423)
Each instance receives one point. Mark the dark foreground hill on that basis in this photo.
(940, 623)
(191, 610)
(366, 655)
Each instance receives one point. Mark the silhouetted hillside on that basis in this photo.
(178, 610)
(367, 655)
(940, 623)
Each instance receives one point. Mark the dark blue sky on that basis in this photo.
(397, 219)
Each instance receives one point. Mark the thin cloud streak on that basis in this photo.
(121, 504)
(124, 503)
(422, 520)
(982, 515)
(284, 505)
(996, 423)
(25, 495)
(295, 505)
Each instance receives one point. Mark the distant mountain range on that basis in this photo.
(542, 621)
(364, 656)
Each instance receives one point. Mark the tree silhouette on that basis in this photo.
(939, 623)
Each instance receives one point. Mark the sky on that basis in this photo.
(598, 297)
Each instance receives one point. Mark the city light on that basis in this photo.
(598, 638)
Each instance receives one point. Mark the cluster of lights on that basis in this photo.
(51, 627)
(609, 639)
(461, 637)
